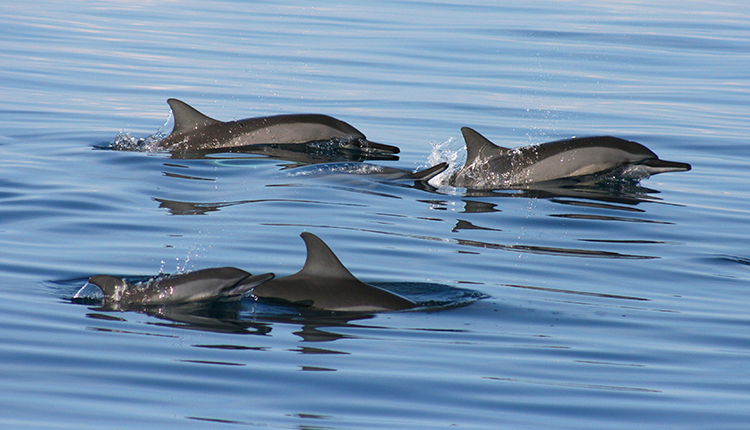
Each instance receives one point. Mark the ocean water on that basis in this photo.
(604, 307)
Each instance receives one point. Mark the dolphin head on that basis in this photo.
(223, 283)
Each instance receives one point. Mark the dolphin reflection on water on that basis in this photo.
(196, 131)
(489, 166)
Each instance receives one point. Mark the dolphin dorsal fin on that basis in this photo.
(478, 146)
(111, 286)
(321, 261)
(186, 118)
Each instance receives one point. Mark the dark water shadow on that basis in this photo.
(195, 208)
(610, 194)
(610, 200)
(745, 261)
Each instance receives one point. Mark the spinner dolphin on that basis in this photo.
(490, 166)
(196, 131)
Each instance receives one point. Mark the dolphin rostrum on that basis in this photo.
(196, 131)
(491, 166)
(324, 283)
(223, 283)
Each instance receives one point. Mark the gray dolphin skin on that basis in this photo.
(383, 172)
(223, 283)
(196, 131)
(491, 166)
(324, 283)
(423, 175)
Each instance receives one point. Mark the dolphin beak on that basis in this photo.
(661, 166)
(370, 146)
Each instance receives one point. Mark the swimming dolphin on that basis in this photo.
(394, 173)
(201, 285)
(491, 166)
(376, 171)
(324, 283)
(196, 131)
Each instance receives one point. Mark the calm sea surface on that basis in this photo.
(610, 308)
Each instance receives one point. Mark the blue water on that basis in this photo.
(616, 308)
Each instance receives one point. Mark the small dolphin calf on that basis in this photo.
(324, 283)
(490, 166)
(195, 131)
(201, 285)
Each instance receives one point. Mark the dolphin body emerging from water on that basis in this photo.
(196, 131)
(324, 283)
(223, 283)
(490, 166)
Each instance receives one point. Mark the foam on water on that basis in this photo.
(450, 151)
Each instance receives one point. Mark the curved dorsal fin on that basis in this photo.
(110, 285)
(478, 146)
(186, 118)
(321, 261)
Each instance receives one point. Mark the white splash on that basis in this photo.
(89, 291)
(125, 142)
(450, 151)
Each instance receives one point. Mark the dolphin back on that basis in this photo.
(204, 284)
(187, 118)
(478, 147)
(324, 283)
(196, 131)
(321, 261)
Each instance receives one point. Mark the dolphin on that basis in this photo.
(376, 171)
(196, 131)
(491, 166)
(393, 173)
(324, 283)
(223, 283)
